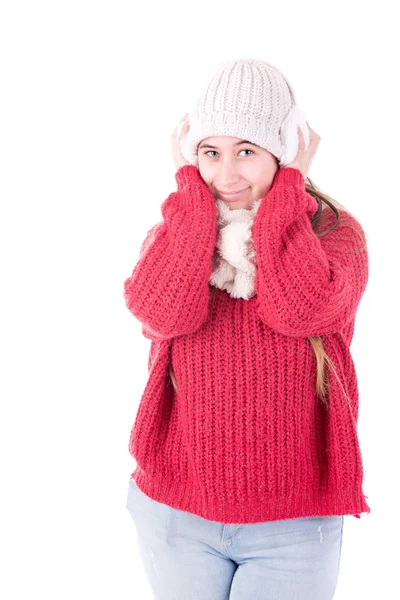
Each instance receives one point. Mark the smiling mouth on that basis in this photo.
(232, 195)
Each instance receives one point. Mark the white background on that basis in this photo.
(90, 95)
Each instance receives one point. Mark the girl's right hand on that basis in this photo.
(179, 132)
(304, 157)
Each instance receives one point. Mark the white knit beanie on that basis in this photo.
(252, 100)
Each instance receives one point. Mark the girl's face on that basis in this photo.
(230, 164)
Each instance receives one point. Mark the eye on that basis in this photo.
(245, 150)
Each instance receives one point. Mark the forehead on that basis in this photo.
(224, 141)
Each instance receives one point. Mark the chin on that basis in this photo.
(234, 205)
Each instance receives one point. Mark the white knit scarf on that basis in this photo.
(234, 258)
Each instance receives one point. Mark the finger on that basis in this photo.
(310, 128)
(180, 127)
(184, 129)
(184, 121)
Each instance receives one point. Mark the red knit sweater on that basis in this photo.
(245, 439)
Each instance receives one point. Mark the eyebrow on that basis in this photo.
(237, 144)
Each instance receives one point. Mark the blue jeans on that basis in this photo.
(187, 557)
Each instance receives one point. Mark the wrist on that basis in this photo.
(290, 174)
(187, 174)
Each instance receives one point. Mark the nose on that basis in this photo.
(228, 175)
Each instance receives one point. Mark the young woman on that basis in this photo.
(246, 434)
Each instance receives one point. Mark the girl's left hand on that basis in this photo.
(304, 157)
(179, 132)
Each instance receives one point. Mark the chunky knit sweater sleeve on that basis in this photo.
(306, 285)
(168, 290)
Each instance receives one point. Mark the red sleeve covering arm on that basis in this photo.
(306, 285)
(168, 290)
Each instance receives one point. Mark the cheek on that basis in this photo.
(258, 172)
(264, 184)
(205, 175)
(264, 189)
(207, 171)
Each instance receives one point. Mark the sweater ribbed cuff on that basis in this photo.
(289, 175)
(186, 175)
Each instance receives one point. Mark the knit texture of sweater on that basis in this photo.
(245, 438)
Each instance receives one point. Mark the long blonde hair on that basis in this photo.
(322, 359)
